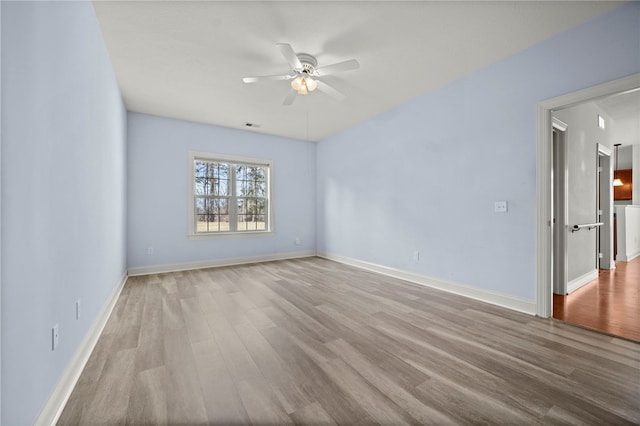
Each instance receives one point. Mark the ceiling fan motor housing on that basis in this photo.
(309, 63)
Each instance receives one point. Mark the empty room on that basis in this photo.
(319, 212)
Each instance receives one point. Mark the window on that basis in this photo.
(230, 195)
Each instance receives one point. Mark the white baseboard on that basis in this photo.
(624, 258)
(582, 280)
(493, 297)
(52, 409)
(174, 267)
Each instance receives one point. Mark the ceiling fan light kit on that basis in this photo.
(304, 85)
(306, 76)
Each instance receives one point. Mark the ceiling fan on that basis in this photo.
(305, 76)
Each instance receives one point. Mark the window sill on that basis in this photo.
(226, 235)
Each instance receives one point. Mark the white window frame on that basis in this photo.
(222, 158)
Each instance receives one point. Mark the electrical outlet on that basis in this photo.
(150, 251)
(500, 207)
(78, 309)
(297, 241)
(416, 256)
(55, 336)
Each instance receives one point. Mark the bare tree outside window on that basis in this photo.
(230, 197)
(251, 192)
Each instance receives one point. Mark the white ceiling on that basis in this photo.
(186, 60)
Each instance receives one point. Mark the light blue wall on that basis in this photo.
(158, 185)
(424, 176)
(63, 192)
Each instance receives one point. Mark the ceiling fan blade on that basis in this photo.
(324, 87)
(290, 55)
(349, 65)
(267, 77)
(291, 96)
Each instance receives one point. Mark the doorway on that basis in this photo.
(607, 302)
(604, 213)
(546, 244)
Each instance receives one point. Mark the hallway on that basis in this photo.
(610, 304)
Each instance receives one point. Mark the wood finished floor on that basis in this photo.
(311, 341)
(610, 304)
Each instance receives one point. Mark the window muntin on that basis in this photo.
(230, 196)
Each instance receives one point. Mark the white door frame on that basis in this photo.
(605, 195)
(544, 240)
(560, 204)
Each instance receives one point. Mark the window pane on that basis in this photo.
(241, 180)
(212, 214)
(251, 214)
(251, 181)
(211, 178)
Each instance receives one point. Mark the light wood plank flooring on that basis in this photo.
(311, 341)
(610, 303)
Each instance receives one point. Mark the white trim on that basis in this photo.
(604, 150)
(623, 258)
(560, 227)
(607, 261)
(212, 263)
(488, 296)
(581, 281)
(544, 240)
(560, 125)
(230, 158)
(544, 247)
(52, 409)
(234, 234)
